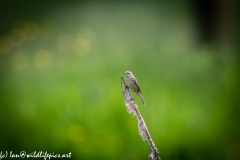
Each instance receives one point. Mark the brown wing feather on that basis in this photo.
(136, 83)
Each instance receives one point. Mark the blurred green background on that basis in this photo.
(60, 68)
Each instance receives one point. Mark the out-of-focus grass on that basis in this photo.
(60, 88)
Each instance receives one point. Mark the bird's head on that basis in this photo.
(128, 73)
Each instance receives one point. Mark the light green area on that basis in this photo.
(60, 85)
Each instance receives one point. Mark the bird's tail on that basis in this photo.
(141, 97)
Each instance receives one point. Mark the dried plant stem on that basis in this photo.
(142, 128)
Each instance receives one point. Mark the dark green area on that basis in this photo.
(60, 68)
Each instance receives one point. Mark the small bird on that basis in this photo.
(132, 83)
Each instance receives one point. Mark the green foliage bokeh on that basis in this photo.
(60, 84)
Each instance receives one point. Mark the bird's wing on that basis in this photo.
(136, 83)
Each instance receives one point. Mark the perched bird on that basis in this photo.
(132, 83)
